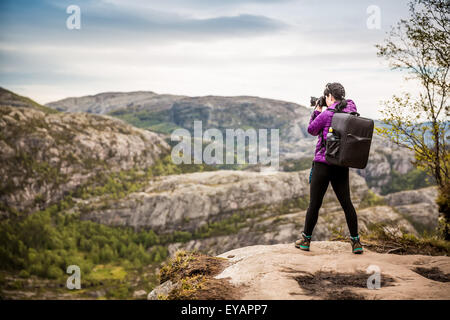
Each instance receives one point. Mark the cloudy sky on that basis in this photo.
(280, 49)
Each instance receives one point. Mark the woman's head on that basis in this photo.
(335, 92)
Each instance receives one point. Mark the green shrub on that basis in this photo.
(120, 292)
(24, 274)
(54, 272)
(371, 199)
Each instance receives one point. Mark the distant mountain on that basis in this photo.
(103, 103)
(163, 113)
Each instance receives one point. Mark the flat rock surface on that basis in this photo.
(273, 272)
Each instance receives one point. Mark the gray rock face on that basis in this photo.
(162, 290)
(419, 206)
(139, 294)
(97, 293)
(45, 155)
(425, 195)
(189, 201)
(384, 157)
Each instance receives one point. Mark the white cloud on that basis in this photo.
(290, 63)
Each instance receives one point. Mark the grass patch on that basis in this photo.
(146, 119)
(108, 272)
(371, 199)
(384, 238)
(194, 274)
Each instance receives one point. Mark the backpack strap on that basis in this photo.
(322, 142)
(322, 139)
(353, 113)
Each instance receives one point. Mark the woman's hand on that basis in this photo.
(318, 108)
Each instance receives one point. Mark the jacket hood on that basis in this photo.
(351, 106)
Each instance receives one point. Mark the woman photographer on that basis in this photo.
(323, 173)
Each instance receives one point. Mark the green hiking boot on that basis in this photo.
(356, 245)
(303, 243)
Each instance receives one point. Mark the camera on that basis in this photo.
(321, 102)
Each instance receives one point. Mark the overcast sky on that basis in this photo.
(280, 49)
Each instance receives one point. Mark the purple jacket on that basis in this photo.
(319, 124)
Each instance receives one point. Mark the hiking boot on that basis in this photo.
(356, 245)
(303, 243)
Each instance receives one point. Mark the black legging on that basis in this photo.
(322, 174)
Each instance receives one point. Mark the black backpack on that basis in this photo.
(349, 144)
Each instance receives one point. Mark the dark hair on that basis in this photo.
(338, 92)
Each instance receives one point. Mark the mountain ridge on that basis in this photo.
(163, 114)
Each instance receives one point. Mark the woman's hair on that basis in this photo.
(338, 92)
